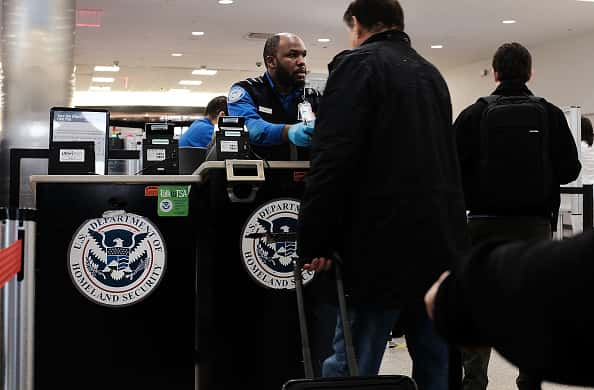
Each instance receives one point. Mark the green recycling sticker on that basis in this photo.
(173, 201)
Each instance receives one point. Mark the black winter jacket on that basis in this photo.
(530, 301)
(384, 188)
(566, 165)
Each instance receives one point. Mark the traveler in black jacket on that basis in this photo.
(490, 215)
(384, 190)
(530, 301)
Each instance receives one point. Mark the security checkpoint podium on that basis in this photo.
(248, 330)
(172, 282)
(115, 283)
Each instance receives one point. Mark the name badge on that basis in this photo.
(305, 113)
(265, 110)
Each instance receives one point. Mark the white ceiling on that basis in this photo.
(142, 34)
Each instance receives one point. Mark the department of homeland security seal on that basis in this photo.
(118, 259)
(268, 244)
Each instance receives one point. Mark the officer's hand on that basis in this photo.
(300, 134)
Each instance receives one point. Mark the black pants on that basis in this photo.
(476, 361)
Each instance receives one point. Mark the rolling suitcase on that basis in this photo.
(353, 382)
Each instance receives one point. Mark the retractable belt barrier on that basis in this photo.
(17, 243)
(10, 261)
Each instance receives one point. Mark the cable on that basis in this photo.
(152, 165)
(260, 158)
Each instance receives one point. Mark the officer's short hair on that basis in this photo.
(587, 131)
(512, 61)
(375, 15)
(271, 47)
(215, 106)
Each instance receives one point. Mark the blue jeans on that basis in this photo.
(372, 326)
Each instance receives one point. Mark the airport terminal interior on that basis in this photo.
(146, 262)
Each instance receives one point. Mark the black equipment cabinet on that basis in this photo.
(248, 334)
(81, 344)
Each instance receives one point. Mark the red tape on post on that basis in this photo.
(10, 262)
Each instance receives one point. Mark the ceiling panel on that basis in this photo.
(142, 34)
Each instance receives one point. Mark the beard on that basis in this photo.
(285, 78)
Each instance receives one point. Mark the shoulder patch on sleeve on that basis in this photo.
(235, 94)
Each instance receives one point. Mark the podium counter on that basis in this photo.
(115, 292)
(181, 282)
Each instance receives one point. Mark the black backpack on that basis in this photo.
(516, 171)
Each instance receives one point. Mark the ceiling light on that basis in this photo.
(179, 90)
(437, 46)
(190, 82)
(225, 2)
(176, 54)
(511, 21)
(586, 1)
(98, 88)
(197, 33)
(324, 40)
(113, 68)
(204, 72)
(103, 79)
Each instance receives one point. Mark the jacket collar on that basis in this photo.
(512, 88)
(389, 35)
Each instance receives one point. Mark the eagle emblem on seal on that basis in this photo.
(117, 256)
(269, 244)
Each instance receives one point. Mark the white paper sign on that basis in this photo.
(72, 155)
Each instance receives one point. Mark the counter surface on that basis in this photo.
(114, 179)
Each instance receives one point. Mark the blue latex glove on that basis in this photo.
(300, 133)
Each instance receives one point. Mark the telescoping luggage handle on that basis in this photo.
(344, 317)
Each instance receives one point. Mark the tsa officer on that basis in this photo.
(279, 110)
(199, 134)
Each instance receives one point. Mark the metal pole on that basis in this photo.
(26, 299)
(305, 346)
(9, 315)
(344, 317)
(37, 72)
(3, 372)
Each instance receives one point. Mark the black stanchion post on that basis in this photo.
(588, 207)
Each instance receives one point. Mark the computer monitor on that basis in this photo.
(190, 159)
(159, 130)
(71, 158)
(69, 124)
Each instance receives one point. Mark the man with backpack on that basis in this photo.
(515, 150)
